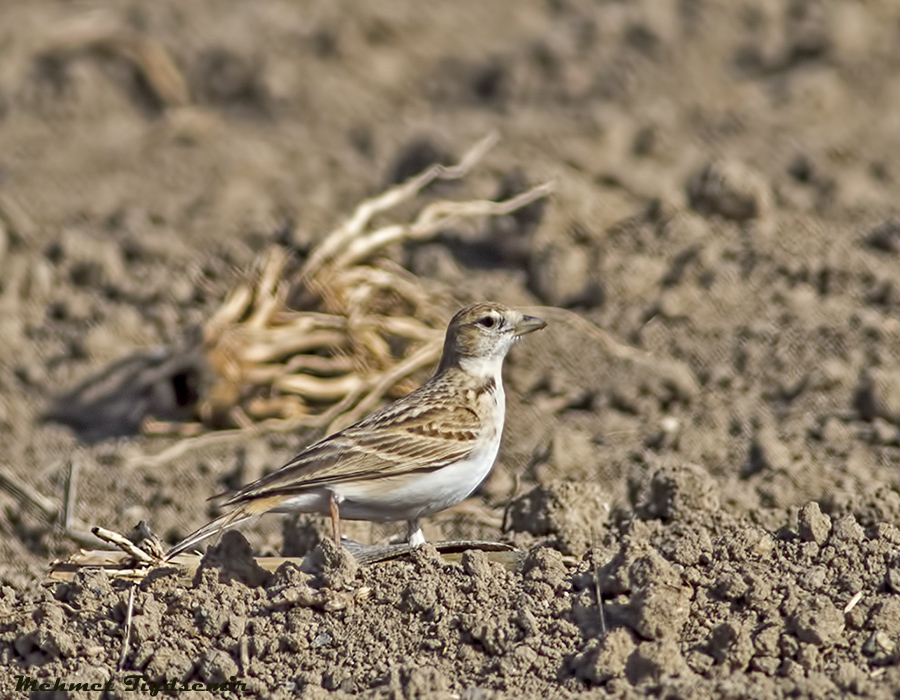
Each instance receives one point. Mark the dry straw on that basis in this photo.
(369, 325)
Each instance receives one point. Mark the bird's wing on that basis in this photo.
(401, 440)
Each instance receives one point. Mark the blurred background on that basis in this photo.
(726, 184)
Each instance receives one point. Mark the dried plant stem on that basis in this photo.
(393, 197)
(425, 356)
(71, 493)
(432, 219)
(187, 564)
(129, 616)
(101, 33)
(122, 543)
(28, 496)
(48, 509)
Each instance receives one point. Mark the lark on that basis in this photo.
(411, 459)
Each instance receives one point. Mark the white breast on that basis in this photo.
(419, 495)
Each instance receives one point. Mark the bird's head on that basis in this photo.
(479, 336)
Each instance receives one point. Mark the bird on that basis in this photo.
(417, 456)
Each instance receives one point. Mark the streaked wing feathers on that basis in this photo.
(386, 444)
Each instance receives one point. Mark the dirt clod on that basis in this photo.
(335, 567)
(684, 491)
(817, 621)
(547, 510)
(233, 559)
(814, 525)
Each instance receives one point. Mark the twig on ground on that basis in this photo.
(117, 565)
(122, 543)
(71, 493)
(355, 225)
(101, 33)
(129, 616)
(25, 494)
(597, 591)
(52, 513)
(853, 601)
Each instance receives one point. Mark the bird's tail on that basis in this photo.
(242, 513)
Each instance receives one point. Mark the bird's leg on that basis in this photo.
(335, 521)
(414, 534)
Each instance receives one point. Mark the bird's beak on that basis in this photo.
(529, 324)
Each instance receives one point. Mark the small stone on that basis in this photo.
(846, 529)
(653, 660)
(233, 557)
(813, 578)
(886, 616)
(476, 564)
(659, 604)
(545, 564)
(765, 664)
(814, 525)
(888, 533)
(729, 189)
(237, 624)
(765, 641)
(732, 586)
(808, 655)
(880, 648)
(574, 512)
(892, 578)
(168, 664)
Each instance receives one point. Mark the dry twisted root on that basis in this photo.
(375, 324)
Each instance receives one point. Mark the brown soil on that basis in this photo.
(727, 178)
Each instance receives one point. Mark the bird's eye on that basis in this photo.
(487, 321)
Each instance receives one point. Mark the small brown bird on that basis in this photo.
(413, 458)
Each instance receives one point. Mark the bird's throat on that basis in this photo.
(483, 368)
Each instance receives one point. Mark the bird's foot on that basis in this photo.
(414, 534)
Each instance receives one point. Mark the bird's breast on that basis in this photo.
(490, 405)
(415, 495)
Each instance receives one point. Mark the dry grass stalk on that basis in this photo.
(60, 517)
(100, 33)
(127, 626)
(122, 566)
(371, 325)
